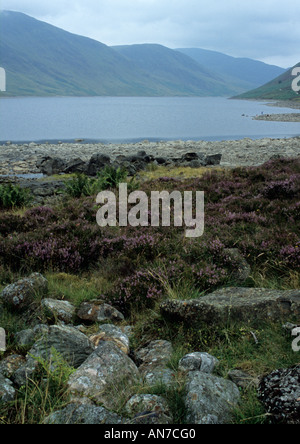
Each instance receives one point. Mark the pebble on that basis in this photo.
(244, 152)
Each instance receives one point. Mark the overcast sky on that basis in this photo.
(266, 30)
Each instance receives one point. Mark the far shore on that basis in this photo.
(284, 117)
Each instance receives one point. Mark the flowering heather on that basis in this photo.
(291, 255)
(140, 290)
(141, 244)
(285, 189)
(256, 210)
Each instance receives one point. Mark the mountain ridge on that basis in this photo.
(43, 60)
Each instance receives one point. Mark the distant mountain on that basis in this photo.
(43, 60)
(244, 73)
(279, 88)
(176, 71)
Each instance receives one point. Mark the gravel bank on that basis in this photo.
(22, 159)
(293, 117)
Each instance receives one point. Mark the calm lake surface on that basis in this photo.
(130, 119)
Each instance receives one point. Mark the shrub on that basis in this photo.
(80, 185)
(110, 178)
(137, 291)
(12, 196)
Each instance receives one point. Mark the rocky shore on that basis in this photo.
(286, 117)
(292, 117)
(24, 159)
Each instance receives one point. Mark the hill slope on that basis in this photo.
(279, 88)
(244, 73)
(176, 70)
(41, 59)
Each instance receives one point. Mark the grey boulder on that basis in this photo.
(105, 375)
(210, 399)
(21, 294)
(83, 414)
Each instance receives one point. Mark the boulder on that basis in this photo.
(153, 361)
(10, 364)
(192, 160)
(69, 342)
(75, 166)
(161, 160)
(109, 332)
(7, 392)
(236, 304)
(28, 337)
(21, 294)
(51, 165)
(104, 376)
(197, 361)
(280, 394)
(148, 409)
(58, 310)
(72, 345)
(214, 159)
(97, 162)
(83, 414)
(98, 311)
(210, 399)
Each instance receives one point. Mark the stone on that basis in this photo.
(7, 392)
(153, 361)
(161, 160)
(280, 394)
(51, 165)
(236, 304)
(98, 311)
(214, 159)
(109, 332)
(198, 361)
(10, 364)
(210, 399)
(75, 166)
(104, 376)
(97, 163)
(83, 414)
(28, 337)
(243, 379)
(69, 342)
(72, 345)
(148, 409)
(58, 310)
(21, 294)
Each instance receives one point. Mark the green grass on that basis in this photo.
(76, 289)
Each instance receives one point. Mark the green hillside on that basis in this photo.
(278, 89)
(43, 60)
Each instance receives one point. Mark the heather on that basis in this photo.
(254, 210)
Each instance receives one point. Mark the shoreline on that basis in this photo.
(22, 159)
(288, 117)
